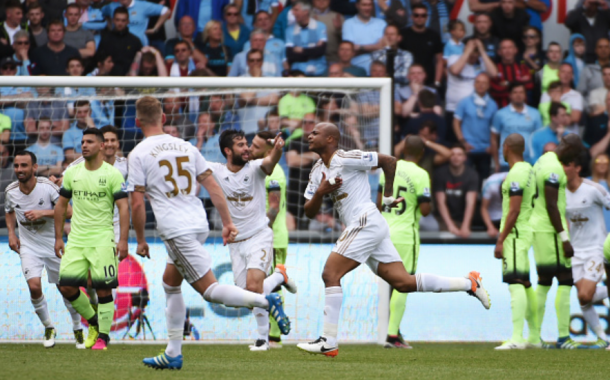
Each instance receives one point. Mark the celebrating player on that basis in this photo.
(343, 176)
(513, 245)
(585, 202)
(166, 168)
(276, 212)
(412, 183)
(29, 202)
(94, 187)
(552, 248)
(242, 181)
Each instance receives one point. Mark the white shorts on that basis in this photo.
(253, 253)
(589, 266)
(186, 252)
(31, 266)
(368, 241)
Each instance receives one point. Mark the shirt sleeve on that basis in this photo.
(201, 165)
(422, 189)
(8, 203)
(551, 178)
(53, 193)
(290, 36)
(135, 172)
(154, 9)
(66, 141)
(273, 185)
(359, 160)
(496, 123)
(66, 184)
(459, 111)
(118, 187)
(517, 183)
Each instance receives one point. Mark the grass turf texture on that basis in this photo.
(425, 361)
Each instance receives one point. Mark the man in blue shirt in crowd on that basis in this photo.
(472, 124)
(272, 64)
(306, 42)
(275, 46)
(516, 117)
(551, 133)
(365, 32)
(139, 14)
(49, 156)
(74, 135)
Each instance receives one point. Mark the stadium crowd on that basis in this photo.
(461, 94)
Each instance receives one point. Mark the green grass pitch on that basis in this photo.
(425, 361)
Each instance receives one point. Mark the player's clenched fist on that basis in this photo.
(123, 250)
(14, 243)
(229, 233)
(568, 251)
(498, 251)
(59, 248)
(142, 250)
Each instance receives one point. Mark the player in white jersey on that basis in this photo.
(29, 203)
(585, 201)
(167, 169)
(344, 177)
(242, 181)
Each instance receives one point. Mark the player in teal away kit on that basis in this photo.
(94, 187)
(412, 183)
(518, 191)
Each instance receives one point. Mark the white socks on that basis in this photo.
(175, 315)
(272, 282)
(432, 283)
(233, 296)
(40, 306)
(76, 325)
(262, 323)
(93, 296)
(332, 309)
(590, 315)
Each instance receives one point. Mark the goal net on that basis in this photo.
(46, 115)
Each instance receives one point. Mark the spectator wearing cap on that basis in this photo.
(366, 32)
(591, 19)
(21, 46)
(52, 58)
(346, 53)
(306, 42)
(509, 21)
(482, 31)
(120, 43)
(272, 63)
(274, 45)
(509, 71)
(402, 60)
(425, 45)
(472, 125)
(591, 74)
(38, 32)
(76, 36)
(139, 14)
(334, 23)
(48, 155)
(236, 34)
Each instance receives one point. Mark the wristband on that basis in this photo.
(331, 181)
(387, 200)
(564, 236)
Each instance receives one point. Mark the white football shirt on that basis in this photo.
(353, 198)
(584, 211)
(167, 167)
(246, 196)
(37, 237)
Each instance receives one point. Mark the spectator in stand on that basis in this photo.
(202, 11)
(597, 126)
(462, 71)
(576, 55)
(554, 95)
(600, 173)
(365, 31)
(335, 70)
(276, 46)
(406, 97)
(272, 63)
(426, 103)
(253, 106)
(425, 45)
(597, 97)
(76, 36)
(472, 125)
(172, 130)
(509, 21)
(438, 19)
(217, 57)
(173, 107)
(482, 31)
(455, 190)
(284, 19)
(293, 106)
(139, 14)
(37, 31)
(223, 117)
(49, 156)
(55, 110)
(532, 56)
(491, 203)
(534, 8)
(148, 62)
(186, 32)
(591, 74)
(235, 33)
(52, 58)
(334, 23)
(346, 54)
(71, 140)
(455, 46)
(551, 133)
(572, 98)
(369, 106)
(91, 17)
(550, 71)
(12, 23)
(350, 133)
(120, 43)
(517, 117)
(183, 63)
(74, 68)
(592, 21)
(21, 46)
(5, 129)
(306, 42)
(509, 71)
(402, 61)
(103, 64)
(250, 8)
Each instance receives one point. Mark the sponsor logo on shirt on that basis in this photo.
(514, 186)
(274, 183)
(239, 200)
(426, 192)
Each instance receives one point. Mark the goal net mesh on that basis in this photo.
(49, 121)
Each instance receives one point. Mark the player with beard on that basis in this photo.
(243, 183)
(344, 177)
(29, 204)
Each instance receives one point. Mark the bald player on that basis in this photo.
(412, 183)
(344, 177)
(518, 191)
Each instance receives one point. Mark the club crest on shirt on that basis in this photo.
(102, 181)
(247, 179)
(40, 202)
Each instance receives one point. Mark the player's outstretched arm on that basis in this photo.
(552, 194)
(123, 206)
(59, 217)
(138, 218)
(229, 231)
(514, 208)
(274, 156)
(13, 240)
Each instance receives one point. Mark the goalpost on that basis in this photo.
(362, 108)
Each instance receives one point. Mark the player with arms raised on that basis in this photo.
(166, 168)
(344, 177)
(412, 183)
(585, 202)
(29, 203)
(513, 245)
(94, 187)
